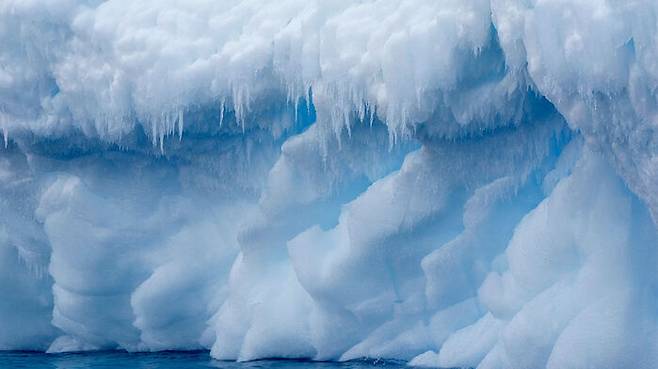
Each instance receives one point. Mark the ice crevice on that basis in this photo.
(457, 183)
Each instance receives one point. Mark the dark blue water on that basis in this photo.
(167, 360)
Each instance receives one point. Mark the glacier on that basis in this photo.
(452, 183)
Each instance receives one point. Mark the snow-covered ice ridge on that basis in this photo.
(469, 183)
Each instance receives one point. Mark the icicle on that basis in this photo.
(362, 111)
(309, 93)
(154, 132)
(162, 135)
(180, 125)
(5, 131)
(222, 106)
(240, 105)
(372, 115)
(392, 138)
(346, 122)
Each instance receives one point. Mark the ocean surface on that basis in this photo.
(168, 360)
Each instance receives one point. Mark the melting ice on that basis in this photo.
(457, 183)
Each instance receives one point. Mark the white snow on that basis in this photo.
(456, 183)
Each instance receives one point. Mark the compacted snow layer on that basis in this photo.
(457, 183)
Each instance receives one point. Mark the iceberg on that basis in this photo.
(452, 183)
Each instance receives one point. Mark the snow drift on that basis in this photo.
(457, 183)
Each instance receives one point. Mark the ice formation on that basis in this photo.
(457, 183)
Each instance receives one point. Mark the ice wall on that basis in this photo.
(457, 183)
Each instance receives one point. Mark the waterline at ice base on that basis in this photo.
(449, 183)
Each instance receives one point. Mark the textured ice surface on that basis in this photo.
(458, 183)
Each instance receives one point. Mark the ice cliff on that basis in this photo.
(457, 183)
